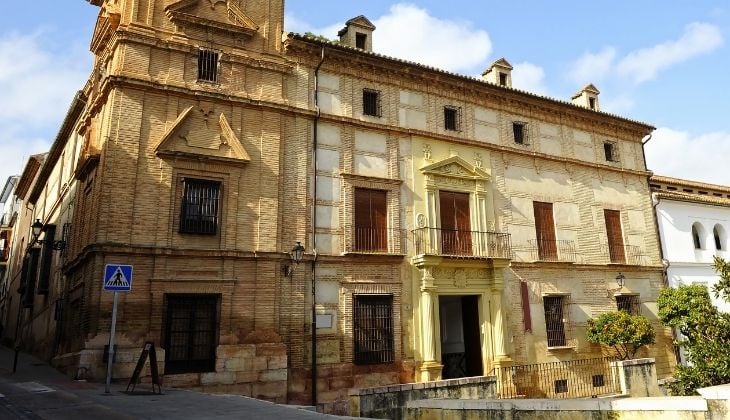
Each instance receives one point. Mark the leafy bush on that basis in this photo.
(624, 332)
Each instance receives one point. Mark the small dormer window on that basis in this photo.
(609, 149)
(502, 79)
(519, 131)
(592, 103)
(361, 40)
(208, 65)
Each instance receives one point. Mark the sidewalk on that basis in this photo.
(37, 391)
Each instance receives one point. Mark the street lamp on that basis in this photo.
(38, 227)
(296, 255)
(620, 280)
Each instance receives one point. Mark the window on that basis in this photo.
(719, 234)
(598, 381)
(561, 386)
(609, 149)
(545, 232)
(371, 233)
(455, 223)
(371, 102)
(628, 303)
(554, 324)
(615, 236)
(199, 210)
(360, 40)
(208, 65)
(696, 232)
(502, 79)
(592, 103)
(452, 118)
(373, 329)
(191, 333)
(519, 130)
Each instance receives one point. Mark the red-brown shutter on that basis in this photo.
(371, 220)
(545, 230)
(455, 223)
(615, 236)
(526, 316)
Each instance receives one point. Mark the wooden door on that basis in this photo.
(545, 230)
(615, 236)
(455, 223)
(371, 232)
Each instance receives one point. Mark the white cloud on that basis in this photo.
(36, 88)
(412, 33)
(697, 39)
(529, 77)
(592, 68)
(681, 155)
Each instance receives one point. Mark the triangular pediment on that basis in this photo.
(456, 167)
(361, 21)
(201, 133)
(502, 63)
(223, 15)
(106, 23)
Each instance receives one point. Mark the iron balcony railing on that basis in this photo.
(558, 380)
(552, 250)
(375, 241)
(624, 254)
(461, 243)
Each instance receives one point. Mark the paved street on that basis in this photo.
(37, 391)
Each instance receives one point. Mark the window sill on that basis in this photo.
(561, 348)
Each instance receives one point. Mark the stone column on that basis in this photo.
(430, 367)
(501, 354)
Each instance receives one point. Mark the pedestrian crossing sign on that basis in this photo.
(117, 278)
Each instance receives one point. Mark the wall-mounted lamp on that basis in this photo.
(620, 281)
(38, 227)
(296, 255)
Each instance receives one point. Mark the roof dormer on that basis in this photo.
(358, 33)
(499, 73)
(587, 97)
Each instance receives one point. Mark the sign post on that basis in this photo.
(117, 278)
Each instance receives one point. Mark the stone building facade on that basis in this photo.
(442, 216)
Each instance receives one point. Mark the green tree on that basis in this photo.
(624, 332)
(705, 332)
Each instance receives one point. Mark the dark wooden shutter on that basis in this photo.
(455, 223)
(44, 275)
(526, 316)
(31, 278)
(615, 236)
(371, 221)
(545, 230)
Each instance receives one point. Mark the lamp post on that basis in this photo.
(620, 280)
(38, 227)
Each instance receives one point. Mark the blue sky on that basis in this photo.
(665, 63)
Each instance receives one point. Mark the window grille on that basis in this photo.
(191, 333)
(519, 131)
(561, 386)
(208, 65)
(629, 304)
(371, 102)
(598, 381)
(199, 209)
(452, 118)
(554, 323)
(373, 329)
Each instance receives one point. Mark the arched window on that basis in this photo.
(697, 234)
(718, 232)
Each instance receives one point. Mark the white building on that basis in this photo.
(694, 221)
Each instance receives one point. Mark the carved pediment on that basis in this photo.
(223, 15)
(201, 133)
(456, 167)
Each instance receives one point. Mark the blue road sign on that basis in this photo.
(118, 278)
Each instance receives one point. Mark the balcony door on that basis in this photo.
(615, 236)
(455, 223)
(545, 230)
(371, 224)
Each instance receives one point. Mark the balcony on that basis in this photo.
(461, 243)
(375, 241)
(552, 250)
(624, 254)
